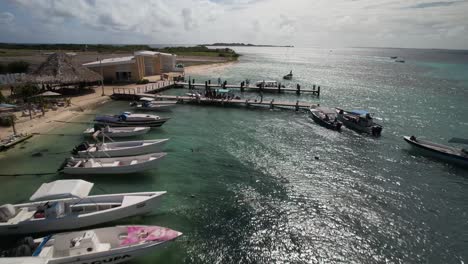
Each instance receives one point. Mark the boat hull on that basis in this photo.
(328, 124)
(106, 170)
(144, 203)
(121, 134)
(154, 147)
(155, 123)
(431, 152)
(374, 130)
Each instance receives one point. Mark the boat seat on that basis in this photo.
(134, 162)
(92, 149)
(7, 211)
(103, 247)
(78, 164)
(46, 252)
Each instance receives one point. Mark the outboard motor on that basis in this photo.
(376, 130)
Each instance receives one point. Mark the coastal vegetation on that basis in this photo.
(13, 49)
(244, 45)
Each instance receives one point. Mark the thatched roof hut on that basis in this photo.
(59, 68)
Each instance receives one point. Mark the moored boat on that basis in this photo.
(268, 84)
(119, 165)
(359, 120)
(117, 132)
(288, 76)
(119, 149)
(13, 140)
(326, 117)
(442, 152)
(130, 119)
(66, 204)
(102, 245)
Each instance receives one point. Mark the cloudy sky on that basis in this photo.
(303, 23)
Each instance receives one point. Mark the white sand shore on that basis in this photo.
(207, 69)
(82, 104)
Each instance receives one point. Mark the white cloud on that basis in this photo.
(6, 18)
(407, 23)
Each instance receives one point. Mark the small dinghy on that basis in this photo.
(130, 119)
(119, 149)
(153, 105)
(442, 152)
(359, 120)
(117, 132)
(13, 140)
(95, 246)
(288, 76)
(66, 204)
(121, 165)
(326, 117)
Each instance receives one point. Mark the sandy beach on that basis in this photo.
(85, 104)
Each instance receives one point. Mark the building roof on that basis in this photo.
(146, 53)
(111, 61)
(60, 68)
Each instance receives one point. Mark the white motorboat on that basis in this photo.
(119, 149)
(117, 132)
(95, 246)
(66, 204)
(268, 84)
(153, 105)
(441, 152)
(120, 165)
(359, 120)
(130, 119)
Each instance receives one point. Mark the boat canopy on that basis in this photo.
(149, 99)
(359, 112)
(62, 189)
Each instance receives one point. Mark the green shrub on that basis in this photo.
(142, 81)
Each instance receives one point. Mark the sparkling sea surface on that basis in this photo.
(270, 186)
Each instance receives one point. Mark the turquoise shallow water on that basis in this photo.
(244, 185)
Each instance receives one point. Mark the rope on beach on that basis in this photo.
(28, 174)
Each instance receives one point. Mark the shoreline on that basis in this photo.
(81, 105)
(204, 69)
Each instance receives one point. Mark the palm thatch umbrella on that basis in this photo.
(59, 68)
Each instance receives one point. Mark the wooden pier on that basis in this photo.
(207, 85)
(151, 90)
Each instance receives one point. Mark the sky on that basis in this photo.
(303, 23)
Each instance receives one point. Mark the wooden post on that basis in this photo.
(209, 81)
(206, 86)
(318, 91)
(271, 103)
(12, 118)
(298, 91)
(297, 105)
(242, 87)
(279, 87)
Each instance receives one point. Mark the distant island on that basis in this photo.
(246, 45)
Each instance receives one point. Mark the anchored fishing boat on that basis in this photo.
(149, 104)
(326, 117)
(288, 76)
(66, 204)
(13, 140)
(120, 165)
(268, 84)
(130, 119)
(117, 132)
(442, 152)
(359, 120)
(119, 149)
(95, 246)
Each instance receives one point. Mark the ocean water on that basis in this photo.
(271, 186)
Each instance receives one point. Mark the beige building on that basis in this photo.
(136, 67)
